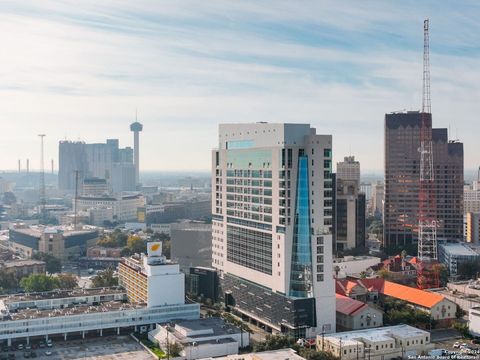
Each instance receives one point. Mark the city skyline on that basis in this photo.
(339, 68)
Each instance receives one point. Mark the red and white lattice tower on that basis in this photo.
(427, 230)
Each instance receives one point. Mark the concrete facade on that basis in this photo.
(272, 198)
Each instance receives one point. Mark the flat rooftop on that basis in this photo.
(458, 249)
(26, 314)
(205, 326)
(377, 334)
(15, 263)
(59, 294)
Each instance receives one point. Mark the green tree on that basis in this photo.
(166, 248)
(39, 283)
(105, 278)
(312, 354)
(52, 264)
(136, 244)
(8, 281)
(67, 281)
(274, 342)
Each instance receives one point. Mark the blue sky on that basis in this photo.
(78, 70)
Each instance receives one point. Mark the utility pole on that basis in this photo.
(42, 180)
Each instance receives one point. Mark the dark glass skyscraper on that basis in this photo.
(402, 179)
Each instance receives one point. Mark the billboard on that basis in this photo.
(154, 248)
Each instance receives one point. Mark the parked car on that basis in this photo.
(456, 345)
(48, 353)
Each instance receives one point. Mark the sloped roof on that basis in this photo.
(414, 296)
(348, 306)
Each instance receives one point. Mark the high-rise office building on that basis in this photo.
(471, 195)
(272, 224)
(100, 160)
(402, 180)
(472, 228)
(349, 169)
(350, 219)
(378, 195)
(71, 158)
(350, 206)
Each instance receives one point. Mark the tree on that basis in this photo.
(459, 313)
(53, 264)
(105, 278)
(166, 248)
(274, 342)
(312, 354)
(8, 281)
(136, 244)
(39, 283)
(67, 281)
(174, 349)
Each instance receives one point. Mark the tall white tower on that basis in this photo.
(136, 127)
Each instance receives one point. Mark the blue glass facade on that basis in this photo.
(301, 269)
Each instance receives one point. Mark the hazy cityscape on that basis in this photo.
(235, 180)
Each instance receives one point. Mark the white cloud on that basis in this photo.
(81, 72)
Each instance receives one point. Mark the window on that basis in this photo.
(319, 277)
(320, 240)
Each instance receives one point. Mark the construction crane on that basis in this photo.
(43, 214)
(427, 269)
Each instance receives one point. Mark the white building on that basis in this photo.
(98, 215)
(389, 342)
(455, 254)
(59, 313)
(355, 315)
(349, 169)
(146, 278)
(124, 207)
(272, 197)
(281, 354)
(353, 265)
(474, 321)
(209, 337)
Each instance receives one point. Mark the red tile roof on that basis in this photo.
(411, 295)
(348, 306)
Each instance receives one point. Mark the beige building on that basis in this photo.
(349, 169)
(472, 228)
(23, 268)
(390, 342)
(139, 275)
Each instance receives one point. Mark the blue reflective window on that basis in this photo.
(301, 272)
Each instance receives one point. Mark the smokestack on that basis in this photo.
(52, 166)
(19, 165)
(28, 166)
